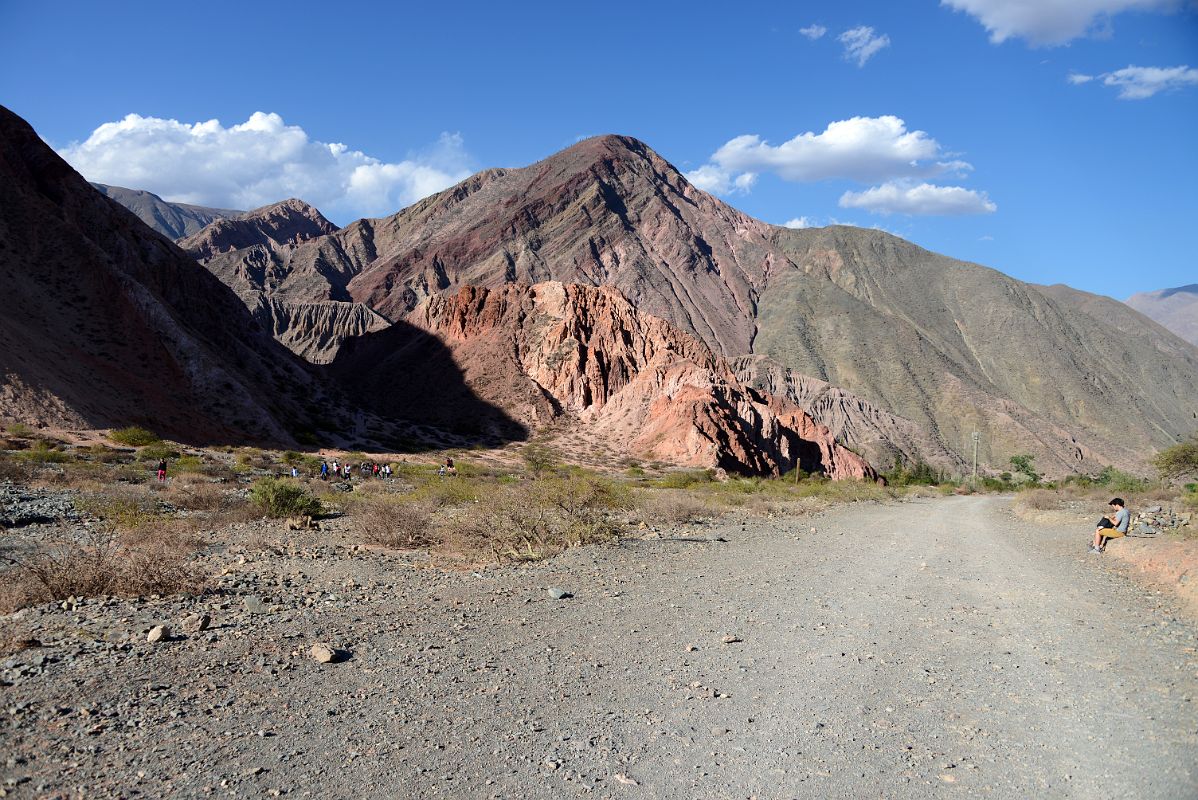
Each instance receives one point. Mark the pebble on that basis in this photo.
(557, 593)
(196, 623)
(158, 633)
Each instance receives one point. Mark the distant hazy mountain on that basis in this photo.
(1176, 309)
(175, 220)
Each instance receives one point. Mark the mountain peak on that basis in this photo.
(283, 224)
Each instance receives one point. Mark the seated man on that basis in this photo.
(1112, 526)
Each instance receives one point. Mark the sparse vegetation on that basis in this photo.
(277, 497)
(1178, 461)
(393, 522)
(134, 436)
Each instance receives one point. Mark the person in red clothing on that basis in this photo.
(162, 471)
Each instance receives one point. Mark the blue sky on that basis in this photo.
(1036, 149)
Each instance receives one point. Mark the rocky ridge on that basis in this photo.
(637, 383)
(172, 220)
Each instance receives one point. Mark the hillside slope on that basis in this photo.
(172, 220)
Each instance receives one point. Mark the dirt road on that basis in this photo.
(930, 648)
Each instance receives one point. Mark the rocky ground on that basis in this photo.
(897, 650)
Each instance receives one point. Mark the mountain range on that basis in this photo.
(909, 339)
(110, 323)
(600, 288)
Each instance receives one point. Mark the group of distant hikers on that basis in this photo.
(345, 472)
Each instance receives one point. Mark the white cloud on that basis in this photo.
(813, 32)
(1077, 78)
(866, 149)
(1050, 22)
(800, 222)
(1139, 83)
(922, 199)
(860, 44)
(260, 161)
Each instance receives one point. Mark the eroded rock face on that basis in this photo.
(643, 386)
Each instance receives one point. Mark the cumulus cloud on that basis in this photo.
(860, 44)
(1077, 78)
(919, 199)
(813, 32)
(1140, 83)
(865, 149)
(800, 222)
(260, 161)
(1050, 22)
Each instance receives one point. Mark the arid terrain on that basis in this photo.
(900, 649)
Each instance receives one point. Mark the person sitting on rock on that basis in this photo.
(1112, 526)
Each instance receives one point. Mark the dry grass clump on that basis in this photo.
(675, 507)
(394, 522)
(532, 519)
(197, 493)
(96, 561)
(1040, 500)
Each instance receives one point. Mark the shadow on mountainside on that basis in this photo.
(406, 373)
(107, 323)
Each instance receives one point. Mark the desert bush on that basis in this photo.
(134, 436)
(539, 458)
(125, 509)
(1178, 461)
(19, 430)
(157, 452)
(394, 523)
(193, 464)
(674, 507)
(44, 452)
(530, 520)
(449, 491)
(1040, 499)
(283, 498)
(682, 479)
(14, 470)
(198, 495)
(96, 562)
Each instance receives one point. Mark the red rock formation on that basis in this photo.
(638, 383)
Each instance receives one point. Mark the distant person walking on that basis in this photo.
(162, 471)
(1112, 526)
(295, 472)
(324, 470)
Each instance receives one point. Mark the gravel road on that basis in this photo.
(927, 648)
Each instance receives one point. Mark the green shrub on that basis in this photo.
(134, 436)
(684, 479)
(44, 452)
(283, 498)
(189, 464)
(18, 429)
(539, 458)
(157, 452)
(1178, 461)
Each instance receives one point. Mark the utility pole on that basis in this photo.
(976, 437)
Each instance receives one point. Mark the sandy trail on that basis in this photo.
(906, 650)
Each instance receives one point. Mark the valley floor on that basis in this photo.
(933, 647)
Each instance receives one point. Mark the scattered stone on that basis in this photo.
(721, 475)
(158, 633)
(690, 648)
(196, 623)
(254, 604)
(323, 653)
(730, 639)
(627, 781)
(558, 593)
